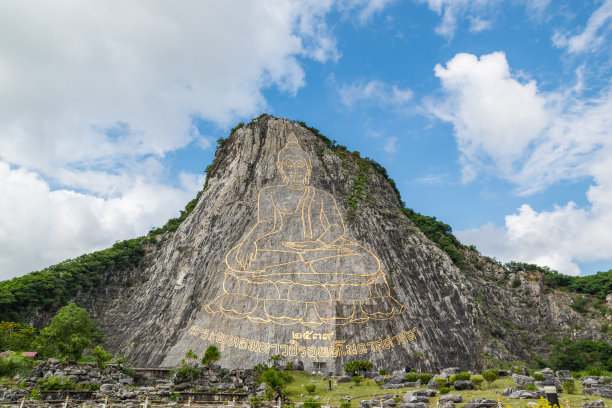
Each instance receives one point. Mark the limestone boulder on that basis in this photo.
(522, 380)
(594, 404)
(456, 398)
(463, 385)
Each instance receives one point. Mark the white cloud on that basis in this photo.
(365, 9)
(95, 94)
(478, 25)
(494, 115)
(452, 10)
(511, 130)
(390, 145)
(41, 226)
(593, 35)
(477, 12)
(374, 92)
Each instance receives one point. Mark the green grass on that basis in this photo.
(369, 390)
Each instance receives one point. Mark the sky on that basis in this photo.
(493, 116)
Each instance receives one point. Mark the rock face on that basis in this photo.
(299, 248)
(337, 273)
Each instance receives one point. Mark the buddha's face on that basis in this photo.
(295, 169)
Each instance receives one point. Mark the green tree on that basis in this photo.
(188, 369)
(353, 367)
(211, 355)
(490, 376)
(276, 360)
(16, 336)
(68, 334)
(102, 356)
(477, 380)
(274, 378)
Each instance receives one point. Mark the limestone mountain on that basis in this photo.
(298, 247)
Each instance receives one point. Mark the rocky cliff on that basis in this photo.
(299, 249)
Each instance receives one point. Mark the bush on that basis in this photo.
(345, 404)
(539, 377)
(187, 371)
(55, 383)
(255, 402)
(15, 365)
(357, 379)
(274, 378)
(311, 403)
(569, 387)
(425, 378)
(531, 387)
(444, 390)
(269, 395)
(462, 376)
(595, 371)
(477, 380)
(129, 371)
(576, 375)
(352, 367)
(382, 371)
(35, 394)
(310, 388)
(289, 365)
(490, 376)
(102, 357)
(89, 387)
(412, 377)
(441, 382)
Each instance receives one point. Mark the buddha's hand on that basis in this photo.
(247, 254)
(305, 245)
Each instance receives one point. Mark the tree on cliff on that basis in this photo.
(68, 334)
(211, 355)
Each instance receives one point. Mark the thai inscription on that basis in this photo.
(337, 348)
(296, 265)
(310, 335)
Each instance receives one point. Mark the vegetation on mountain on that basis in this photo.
(16, 336)
(599, 284)
(578, 355)
(53, 287)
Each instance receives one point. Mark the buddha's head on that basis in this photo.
(293, 163)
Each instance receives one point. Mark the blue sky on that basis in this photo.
(493, 116)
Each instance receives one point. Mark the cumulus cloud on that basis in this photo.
(95, 94)
(592, 37)
(374, 92)
(509, 129)
(41, 226)
(494, 115)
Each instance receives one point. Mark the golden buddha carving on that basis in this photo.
(296, 265)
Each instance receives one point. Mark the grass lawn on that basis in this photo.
(369, 390)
